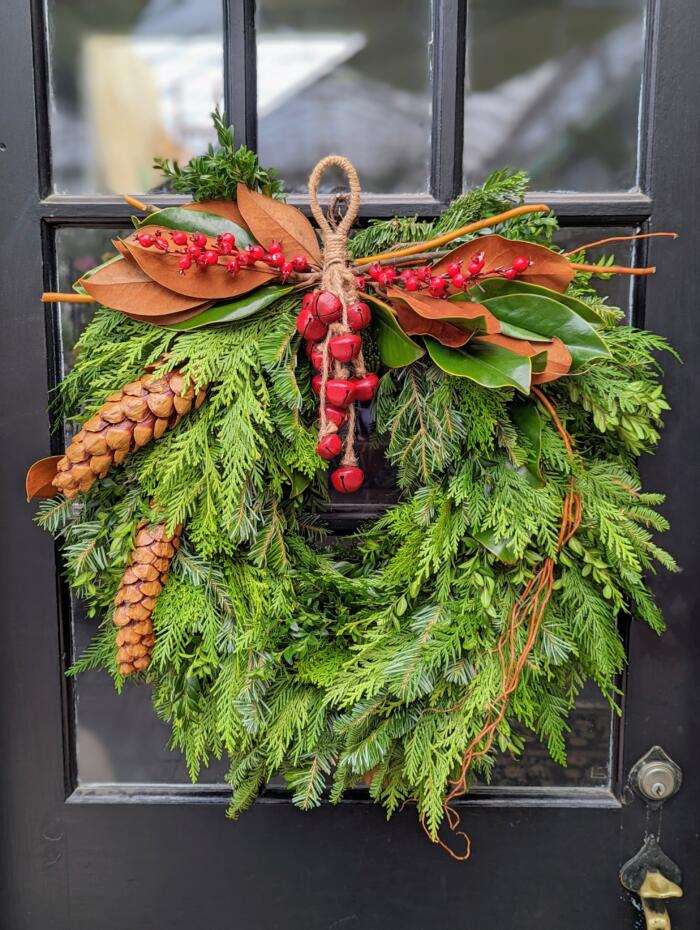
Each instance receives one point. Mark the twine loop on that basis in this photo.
(337, 278)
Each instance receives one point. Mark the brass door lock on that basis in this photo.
(656, 879)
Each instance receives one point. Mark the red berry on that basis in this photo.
(454, 268)
(256, 252)
(386, 276)
(360, 282)
(145, 239)
(346, 347)
(459, 280)
(375, 270)
(199, 239)
(310, 327)
(340, 391)
(520, 264)
(193, 250)
(233, 266)
(244, 259)
(412, 284)
(184, 262)
(365, 387)
(316, 385)
(202, 260)
(476, 264)
(347, 479)
(286, 269)
(328, 308)
(329, 446)
(179, 238)
(228, 238)
(437, 284)
(423, 273)
(276, 259)
(275, 246)
(300, 263)
(510, 273)
(315, 353)
(162, 244)
(335, 414)
(211, 257)
(225, 248)
(359, 315)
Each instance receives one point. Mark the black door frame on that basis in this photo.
(72, 861)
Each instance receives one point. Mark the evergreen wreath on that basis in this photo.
(511, 403)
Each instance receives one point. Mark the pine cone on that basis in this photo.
(129, 418)
(141, 584)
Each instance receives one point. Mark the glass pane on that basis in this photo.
(119, 739)
(553, 86)
(617, 288)
(352, 78)
(130, 81)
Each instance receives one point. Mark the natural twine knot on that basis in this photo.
(337, 277)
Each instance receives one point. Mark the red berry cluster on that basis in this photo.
(319, 311)
(196, 249)
(457, 277)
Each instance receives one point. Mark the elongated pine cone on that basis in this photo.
(141, 584)
(130, 418)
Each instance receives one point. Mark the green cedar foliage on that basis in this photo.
(333, 661)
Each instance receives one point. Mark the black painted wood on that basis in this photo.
(152, 858)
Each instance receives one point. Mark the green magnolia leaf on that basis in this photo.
(396, 349)
(550, 318)
(197, 221)
(230, 311)
(488, 365)
(528, 423)
(501, 287)
(501, 548)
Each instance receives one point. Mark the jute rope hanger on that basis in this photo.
(337, 277)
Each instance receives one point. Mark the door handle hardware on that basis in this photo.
(655, 777)
(656, 879)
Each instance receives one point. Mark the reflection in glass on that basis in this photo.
(130, 81)
(346, 77)
(553, 86)
(617, 288)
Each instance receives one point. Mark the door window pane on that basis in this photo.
(119, 739)
(344, 77)
(130, 80)
(553, 86)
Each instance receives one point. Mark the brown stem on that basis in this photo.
(54, 297)
(590, 245)
(612, 269)
(455, 234)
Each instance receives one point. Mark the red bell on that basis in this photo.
(329, 446)
(347, 479)
(309, 301)
(346, 347)
(340, 392)
(309, 326)
(328, 308)
(315, 354)
(365, 387)
(359, 315)
(336, 415)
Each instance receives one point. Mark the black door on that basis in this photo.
(100, 827)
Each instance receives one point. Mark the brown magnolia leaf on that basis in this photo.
(122, 285)
(557, 356)
(270, 219)
(40, 476)
(168, 318)
(210, 283)
(414, 325)
(225, 208)
(465, 314)
(548, 269)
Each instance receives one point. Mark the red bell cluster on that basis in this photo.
(196, 249)
(320, 309)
